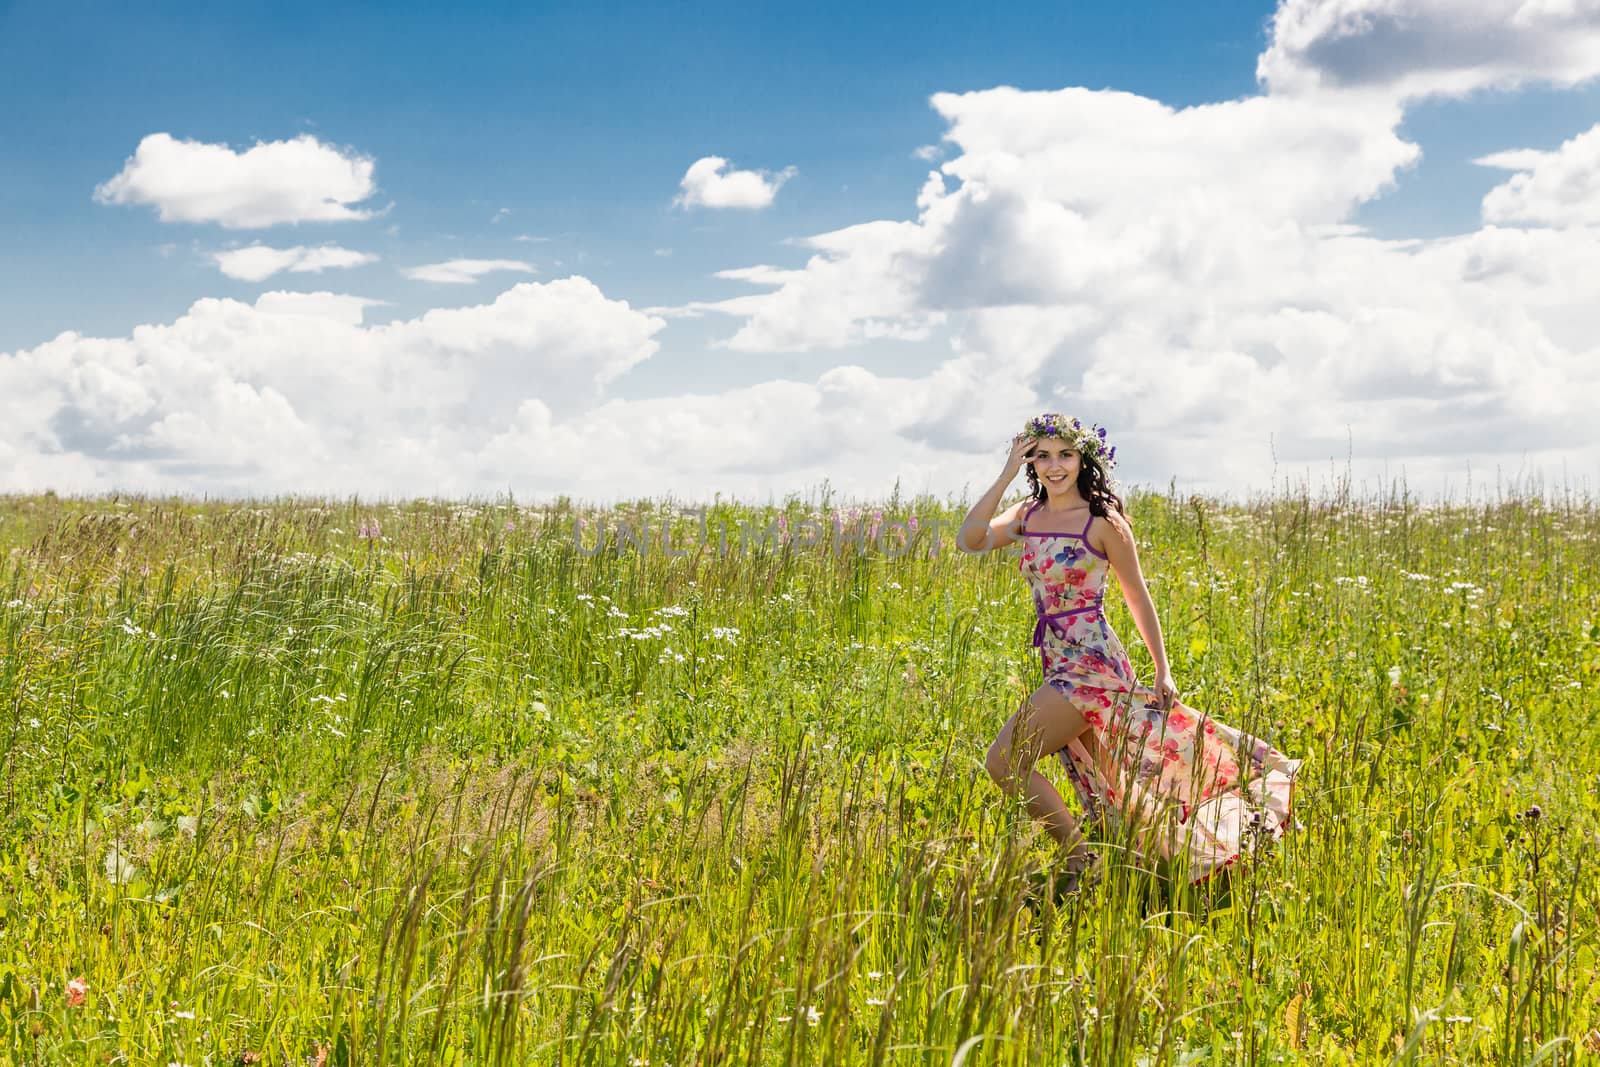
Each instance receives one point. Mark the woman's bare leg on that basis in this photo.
(1044, 723)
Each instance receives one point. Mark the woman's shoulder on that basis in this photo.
(1019, 511)
(1113, 524)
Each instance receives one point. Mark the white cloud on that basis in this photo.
(1410, 48)
(254, 263)
(1189, 277)
(296, 393)
(274, 182)
(1559, 188)
(707, 183)
(1063, 196)
(464, 271)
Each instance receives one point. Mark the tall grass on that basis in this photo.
(349, 783)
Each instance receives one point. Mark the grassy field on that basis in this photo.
(349, 783)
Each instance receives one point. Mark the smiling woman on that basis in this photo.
(1191, 791)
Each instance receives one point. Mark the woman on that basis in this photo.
(1198, 793)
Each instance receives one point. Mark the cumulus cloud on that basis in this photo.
(465, 271)
(1559, 188)
(1411, 48)
(708, 183)
(295, 392)
(1062, 197)
(255, 263)
(273, 182)
(1190, 277)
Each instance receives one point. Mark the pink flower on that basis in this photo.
(1093, 718)
(1073, 576)
(1178, 720)
(911, 524)
(77, 992)
(369, 530)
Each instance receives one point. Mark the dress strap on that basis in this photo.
(1029, 513)
(1086, 525)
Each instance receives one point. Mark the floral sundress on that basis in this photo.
(1202, 792)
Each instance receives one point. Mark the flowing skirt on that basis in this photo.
(1198, 792)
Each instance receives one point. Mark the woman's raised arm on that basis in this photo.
(983, 530)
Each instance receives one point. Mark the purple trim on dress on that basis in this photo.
(1082, 535)
(1085, 536)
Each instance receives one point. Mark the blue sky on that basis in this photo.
(573, 124)
(578, 118)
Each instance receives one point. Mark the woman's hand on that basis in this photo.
(1165, 689)
(1021, 446)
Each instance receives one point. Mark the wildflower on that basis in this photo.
(119, 869)
(77, 992)
(369, 530)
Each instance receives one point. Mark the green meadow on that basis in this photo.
(347, 782)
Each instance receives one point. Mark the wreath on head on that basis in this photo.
(1089, 440)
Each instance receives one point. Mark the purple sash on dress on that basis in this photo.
(1052, 617)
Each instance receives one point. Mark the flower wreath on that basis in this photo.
(1090, 440)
